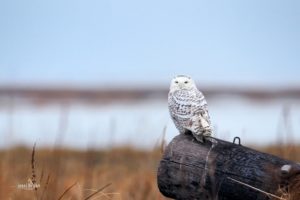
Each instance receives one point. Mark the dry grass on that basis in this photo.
(70, 174)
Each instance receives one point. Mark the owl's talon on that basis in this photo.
(212, 140)
(199, 138)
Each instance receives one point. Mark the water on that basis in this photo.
(141, 124)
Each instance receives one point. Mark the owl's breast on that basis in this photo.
(180, 104)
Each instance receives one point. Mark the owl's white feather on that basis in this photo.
(188, 108)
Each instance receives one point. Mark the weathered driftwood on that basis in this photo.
(190, 170)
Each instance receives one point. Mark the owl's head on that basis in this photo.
(182, 82)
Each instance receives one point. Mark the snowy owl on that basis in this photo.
(188, 108)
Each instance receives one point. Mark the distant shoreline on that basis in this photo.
(48, 94)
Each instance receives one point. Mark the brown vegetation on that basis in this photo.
(71, 174)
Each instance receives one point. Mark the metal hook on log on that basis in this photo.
(238, 139)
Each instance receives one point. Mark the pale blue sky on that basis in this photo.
(92, 42)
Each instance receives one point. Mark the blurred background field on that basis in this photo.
(87, 81)
(117, 136)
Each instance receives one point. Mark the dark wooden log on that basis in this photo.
(223, 171)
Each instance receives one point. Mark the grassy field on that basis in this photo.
(131, 173)
(72, 174)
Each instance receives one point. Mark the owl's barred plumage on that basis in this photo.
(188, 108)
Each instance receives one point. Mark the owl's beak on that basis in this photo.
(181, 85)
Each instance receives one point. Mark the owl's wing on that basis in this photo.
(200, 108)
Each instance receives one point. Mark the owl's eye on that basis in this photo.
(176, 82)
(185, 82)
